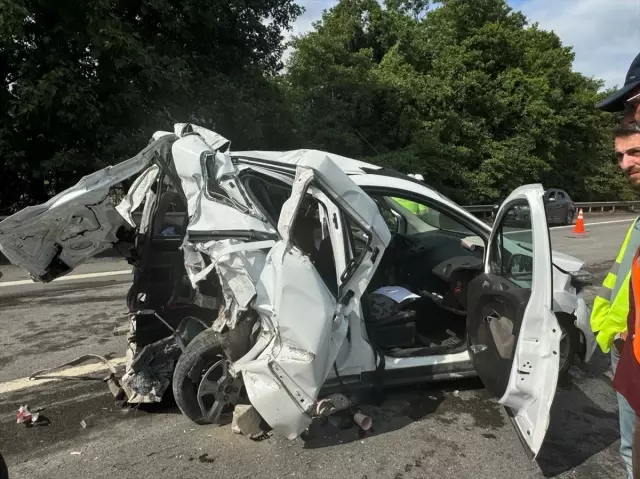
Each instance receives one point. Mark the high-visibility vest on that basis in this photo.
(611, 305)
(635, 284)
(415, 208)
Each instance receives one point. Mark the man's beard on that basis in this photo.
(635, 180)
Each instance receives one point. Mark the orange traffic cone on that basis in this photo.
(579, 227)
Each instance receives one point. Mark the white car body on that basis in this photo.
(261, 268)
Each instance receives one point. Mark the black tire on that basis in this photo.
(199, 355)
(570, 216)
(569, 345)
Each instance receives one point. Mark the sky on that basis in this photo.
(604, 34)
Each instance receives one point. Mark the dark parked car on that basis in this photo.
(559, 207)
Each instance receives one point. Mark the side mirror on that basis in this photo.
(520, 264)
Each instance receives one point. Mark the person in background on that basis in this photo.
(612, 305)
(417, 209)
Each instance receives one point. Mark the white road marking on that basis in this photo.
(100, 274)
(25, 383)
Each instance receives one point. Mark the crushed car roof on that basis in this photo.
(293, 157)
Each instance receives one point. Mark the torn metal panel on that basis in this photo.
(213, 139)
(137, 193)
(238, 266)
(303, 323)
(150, 371)
(292, 158)
(220, 210)
(346, 194)
(284, 380)
(51, 239)
(222, 219)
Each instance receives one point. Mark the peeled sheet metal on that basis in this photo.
(302, 328)
(51, 239)
(293, 157)
(222, 221)
(210, 214)
(238, 265)
(137, 193)
(303, 324)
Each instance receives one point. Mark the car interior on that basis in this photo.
(426, 258)
(160, 281)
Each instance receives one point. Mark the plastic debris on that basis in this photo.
(456, 393)
(83, 424)
(75, 453)
(25, 416)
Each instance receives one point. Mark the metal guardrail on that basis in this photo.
(588, 206)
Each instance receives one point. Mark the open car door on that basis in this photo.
(51, 239)
(311, 282)
(514, 336)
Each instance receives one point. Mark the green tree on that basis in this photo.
(467, 93)
(86, 83)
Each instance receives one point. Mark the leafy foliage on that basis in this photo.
(86, 83)
(466, 93)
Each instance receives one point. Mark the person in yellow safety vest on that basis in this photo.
(417, 209)
(609, 323)
(611, 306)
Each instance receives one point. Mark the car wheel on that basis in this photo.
(570, 215)
(201, 380)
(569, 343)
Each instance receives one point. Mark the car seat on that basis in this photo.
(392, 324)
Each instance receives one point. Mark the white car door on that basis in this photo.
(51, 239)
(303, 310)
(514, 336)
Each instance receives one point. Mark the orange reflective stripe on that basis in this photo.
(635, 284)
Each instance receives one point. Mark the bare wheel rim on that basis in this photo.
(217, 390)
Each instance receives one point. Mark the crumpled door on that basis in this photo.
(304, 319)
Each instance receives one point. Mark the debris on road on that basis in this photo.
(83, 424)
(247, 421)
(75, 453)
(363, 421)
(29, 418)
(332, 404)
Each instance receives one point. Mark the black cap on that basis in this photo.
(615, 101)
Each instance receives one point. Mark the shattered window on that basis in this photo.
(309, 234)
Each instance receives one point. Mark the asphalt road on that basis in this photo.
(438, 430)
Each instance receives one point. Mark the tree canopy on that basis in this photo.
(86, 83)
(467, 93)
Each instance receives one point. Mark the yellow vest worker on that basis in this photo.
(611, 305)
(417, 209)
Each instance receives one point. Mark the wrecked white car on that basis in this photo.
(276, 277)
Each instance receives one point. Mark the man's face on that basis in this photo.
(628, 155)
